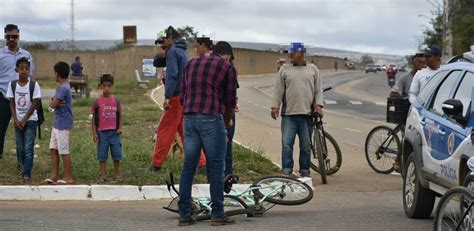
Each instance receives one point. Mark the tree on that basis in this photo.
(462, 25)
(366, 59)
(35, 46)
(188, 33)
(434, 35)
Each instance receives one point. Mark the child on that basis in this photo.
(24, 97)
(107, 127)
(63, 120)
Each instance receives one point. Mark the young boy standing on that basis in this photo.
(24, 98)
(63, 121)
(107, 127)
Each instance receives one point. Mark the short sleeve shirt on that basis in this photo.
(22, 99)
(107, 113)
(63, 118)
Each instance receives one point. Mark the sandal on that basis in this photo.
(102, 180)
(63, 182)
(48, 182)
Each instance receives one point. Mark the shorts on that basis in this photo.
(109, 138)
(60, 141)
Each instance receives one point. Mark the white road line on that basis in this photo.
(355, 102)
(330, 102)
(353, 130)
(381, 103)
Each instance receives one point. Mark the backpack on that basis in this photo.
(96, 113)
(39, 107)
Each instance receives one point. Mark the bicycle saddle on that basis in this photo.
(229, 180)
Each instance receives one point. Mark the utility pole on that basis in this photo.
(447, 33)
(72, 25)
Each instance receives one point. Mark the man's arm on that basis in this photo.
(231, 95)
(318, 94)
(414, 88)
(171, 73)
(182, 93)
(278, 92)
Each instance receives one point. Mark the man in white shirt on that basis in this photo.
(433, 61)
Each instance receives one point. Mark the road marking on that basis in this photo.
(353, 130)
(330, 102)
(355, 102)
(381, 103)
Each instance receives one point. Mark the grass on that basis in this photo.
(140, 115)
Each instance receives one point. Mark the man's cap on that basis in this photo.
(433, 50)
(296, 47)
(160, 37)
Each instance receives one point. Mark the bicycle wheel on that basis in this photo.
(381, 149)
(455, 210)
(333, 156)
(318, 153)
(282, 190)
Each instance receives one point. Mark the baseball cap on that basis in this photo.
(296, 47)
(433, 50)
(160, 37)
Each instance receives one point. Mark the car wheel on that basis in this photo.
(418, 201)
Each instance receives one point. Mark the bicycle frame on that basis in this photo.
(382, 148)
(317, 126)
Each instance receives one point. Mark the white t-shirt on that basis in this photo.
(23, 100)
(420, 79)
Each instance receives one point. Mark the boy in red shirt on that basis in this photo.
(107, 127)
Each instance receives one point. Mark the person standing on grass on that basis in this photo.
(172, 118)
(107, 128)
(63, 121)
(208, 94)
(8, 57)
(224, 50)
(298, 91)
(23, 107)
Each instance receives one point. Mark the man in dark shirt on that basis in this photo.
(208, 94)
(77, 67)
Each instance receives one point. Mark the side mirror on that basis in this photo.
(452, 108)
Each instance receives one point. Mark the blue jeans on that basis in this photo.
(208, 132)
(5, 115)
(290, 126)
(228, 154)
(109, 138)
(25, 147)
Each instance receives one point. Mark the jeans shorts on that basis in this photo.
(109, 138)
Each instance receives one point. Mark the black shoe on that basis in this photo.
(224, 220)
(186, 221)
(154, 169)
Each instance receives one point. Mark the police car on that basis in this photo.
(439, 137)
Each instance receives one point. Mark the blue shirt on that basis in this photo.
(8, 65)
(63, 118)
(76, 69)
(176, 59)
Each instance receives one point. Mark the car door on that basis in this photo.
(437, 127)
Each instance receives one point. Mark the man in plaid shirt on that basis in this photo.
(208, 94)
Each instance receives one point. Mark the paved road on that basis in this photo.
(356, 198)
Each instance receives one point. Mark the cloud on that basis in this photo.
(362, 25)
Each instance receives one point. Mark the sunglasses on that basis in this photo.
(9, 37)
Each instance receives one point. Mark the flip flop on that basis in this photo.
(102, 180)
(48, 182)
(63, 182)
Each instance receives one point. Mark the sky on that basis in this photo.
(371, 26)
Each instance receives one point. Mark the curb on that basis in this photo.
(104, 192)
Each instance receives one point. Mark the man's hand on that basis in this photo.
(166, 105)
(228, 123)
(319, 110)
(17, 124)
(119, 131)
(275, 112)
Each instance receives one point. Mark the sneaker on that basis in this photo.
(291, 175)
(305, 174)
(186, 221)
(224, 220)
(26, 180)
(154, 169)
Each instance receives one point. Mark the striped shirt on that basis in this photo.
(208, 86)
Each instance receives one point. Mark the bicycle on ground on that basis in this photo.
(255, 200)
(382, 145)
(324, 147)
(455, 210)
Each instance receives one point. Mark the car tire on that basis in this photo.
(418, 202)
